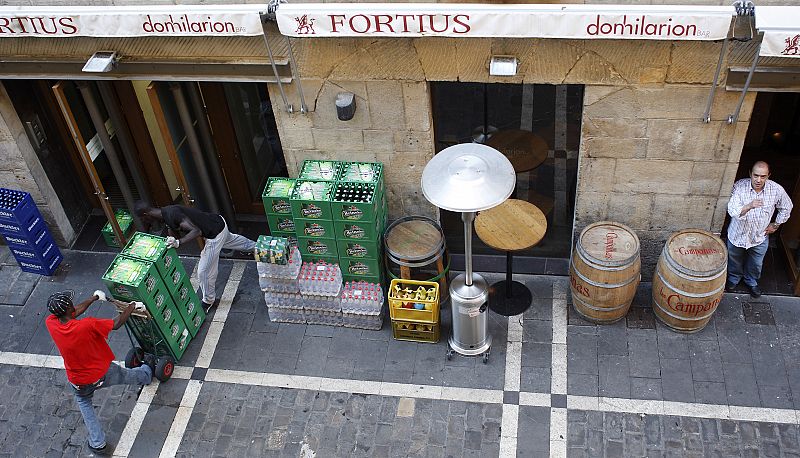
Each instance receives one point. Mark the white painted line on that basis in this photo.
(558, 369)
(515, 328)
(559, 320)
(451, 393)
(763, 414)
(558, 432)
(225, 301)
(404, 390)
(237, 377)
(687, 409)
(181, 420)
(513, 365)
(182, 372)
(558, 449)
(650, 407)
(356, 386)
(510, 422)
(583, 402)
(128, 436)
(209, 344)
(534, 399)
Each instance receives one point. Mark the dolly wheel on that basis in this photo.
(134, 358)
(164, 368)
(486, 357)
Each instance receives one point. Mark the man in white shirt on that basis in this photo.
(752, 204)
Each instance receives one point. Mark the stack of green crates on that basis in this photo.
(311, 209)
(276, 204)
(359, 222)
(149, 272)
(125, 222)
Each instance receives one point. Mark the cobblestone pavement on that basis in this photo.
(554, 385)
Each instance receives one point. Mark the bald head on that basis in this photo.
(759, 174)
(760, 165)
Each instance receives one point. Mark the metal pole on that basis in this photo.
(707, 114)
(194, 146)
(468, 218)
(733, 117)
(126, 143)
(289, 108)
(108, 146)
(204, 128)
(296, 77)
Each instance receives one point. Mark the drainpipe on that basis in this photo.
(214, 168)
(108, 146)
(194, 146)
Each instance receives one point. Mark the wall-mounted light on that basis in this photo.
(503, 66)
(345, 106)
(744, 23)
(101, 62)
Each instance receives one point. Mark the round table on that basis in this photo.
(525, 150)
(511, 226)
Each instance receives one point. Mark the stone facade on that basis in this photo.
(646, 158)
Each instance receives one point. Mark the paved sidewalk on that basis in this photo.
(554, 385)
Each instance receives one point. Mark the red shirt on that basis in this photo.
(82, 343)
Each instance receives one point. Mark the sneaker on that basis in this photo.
(207, 307)
(729, 287)
(755, 292)
(98, 450)
(150, 359)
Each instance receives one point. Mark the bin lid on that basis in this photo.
(468, 177)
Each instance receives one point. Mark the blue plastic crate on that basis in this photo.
(15, 206)
(27, 227)
(37, 239)
(42, 268)
(40, 255)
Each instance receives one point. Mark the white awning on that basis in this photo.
(131, 21)
(633, 22)
(781, 27)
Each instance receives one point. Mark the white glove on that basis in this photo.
(101, 296)
(172, 242)
(139, 306)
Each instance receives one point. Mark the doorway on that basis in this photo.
(544, 122)
(209, 145)
(774, 136)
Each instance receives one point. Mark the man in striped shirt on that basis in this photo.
(752, 204)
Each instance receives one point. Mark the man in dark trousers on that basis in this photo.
(186, 224)
(87, 357)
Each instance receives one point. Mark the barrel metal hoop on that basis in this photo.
(684, 318)
(605, 285)
(601, 309)
(593, 262)
(422, 263)
(607, 265)
(691, 274)
(687, 294)
(444, 272)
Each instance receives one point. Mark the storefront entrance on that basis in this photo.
(207, 144)
(540, 126)
(774, 137)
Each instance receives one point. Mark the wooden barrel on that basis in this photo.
(690, 279)
(604, 271)
(415, 250)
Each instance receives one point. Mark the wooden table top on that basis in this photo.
(513, 225)
(525, 150)
(413, 240)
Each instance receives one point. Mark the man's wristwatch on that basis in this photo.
(775, 225)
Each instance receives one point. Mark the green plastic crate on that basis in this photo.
(316, 246)
(361, 249)
(319, 170)
(343, 209)
(125, 222)
(152, 248)
(312, 199)
(329, 259)
(192, 312)
(281, 224)
(183, 292)
(130, 279)
(177, 336)
(151, 337)
(319, 228)
(176, 279)
(357, 230)
(360, 267)
(362, 172)
(276, 195)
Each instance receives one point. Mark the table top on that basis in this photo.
(413, 240)
(513, 225)
(525, 150)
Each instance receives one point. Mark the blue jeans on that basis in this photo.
(116, 375)
(746, 263)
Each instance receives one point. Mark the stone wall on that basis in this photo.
(654, 165)
(20, 169)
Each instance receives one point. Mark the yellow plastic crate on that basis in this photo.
(415, 331)
(412, 292)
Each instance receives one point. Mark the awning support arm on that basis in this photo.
(733, 117)
(264, 18)
(707, 114)
(296, 77)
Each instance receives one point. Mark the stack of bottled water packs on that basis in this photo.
(362, 304)
(281, 288)
(320, 283)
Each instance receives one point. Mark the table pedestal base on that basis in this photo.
(503, 303)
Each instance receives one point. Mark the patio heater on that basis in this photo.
(468, 178)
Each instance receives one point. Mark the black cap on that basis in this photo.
(58, 303)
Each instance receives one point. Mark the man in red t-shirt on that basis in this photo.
(87, 357)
